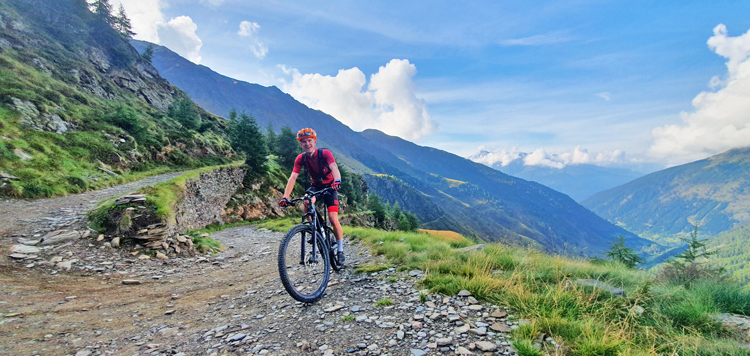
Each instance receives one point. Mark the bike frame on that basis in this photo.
(315, 221)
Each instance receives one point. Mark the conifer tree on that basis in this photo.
(271, 140)
(378, 210)
(625, 255)
(183, 111)
(287, 147)
(247, 138)
(103, 10)
(403, 223)
(413, 221)
(696, 248)
(123, 26)
(148, 53)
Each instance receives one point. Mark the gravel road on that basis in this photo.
(29, 216)
(230, 303)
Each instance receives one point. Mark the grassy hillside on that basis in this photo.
(653, 317)
(733, 251)
(79, 108)
(713, 193)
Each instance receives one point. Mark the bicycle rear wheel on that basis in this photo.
(304, 274)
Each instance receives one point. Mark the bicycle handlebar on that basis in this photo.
(309, 193)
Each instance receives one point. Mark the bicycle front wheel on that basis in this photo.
(304, 270)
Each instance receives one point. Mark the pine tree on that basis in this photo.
(103, 10)
(287, 147)
(233, 114)
(271, 140)
(378, 210)
(403, 223)
(148, 53)
(696, 248)
(625, 255)
(183, 111)
(247, 138)
(123, 26)
(413, 221)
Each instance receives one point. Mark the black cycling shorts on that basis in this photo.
(331, 199)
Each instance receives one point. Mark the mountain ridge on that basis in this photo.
(495, 206)
(713, 193)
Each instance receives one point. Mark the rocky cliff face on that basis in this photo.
(77, 58)
(76, 100)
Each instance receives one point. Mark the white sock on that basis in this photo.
(341, 245)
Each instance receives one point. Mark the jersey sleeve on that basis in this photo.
(328, 155)
(297, 164)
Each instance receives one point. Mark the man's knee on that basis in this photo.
(333, 217)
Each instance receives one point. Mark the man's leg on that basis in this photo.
(333, 216)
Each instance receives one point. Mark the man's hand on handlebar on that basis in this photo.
(336, 185)
(284, 202)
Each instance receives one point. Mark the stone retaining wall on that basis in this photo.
(201, 202)
(205, 198)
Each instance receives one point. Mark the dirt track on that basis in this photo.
(230, 303)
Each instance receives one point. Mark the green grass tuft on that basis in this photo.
(384, 302)
(205, 244)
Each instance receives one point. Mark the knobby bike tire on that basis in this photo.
(298, 277)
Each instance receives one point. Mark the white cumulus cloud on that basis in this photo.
(248, 29)
(504, 157)
(721, 119)
(179, 35)
(542, 157)
(387, 103)
(150, 24)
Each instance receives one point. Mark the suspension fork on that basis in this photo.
(313, 224)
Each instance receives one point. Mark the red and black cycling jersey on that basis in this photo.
(317, 166)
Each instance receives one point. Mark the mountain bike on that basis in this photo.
(308, 252)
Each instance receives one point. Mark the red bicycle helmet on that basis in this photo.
(305, 133)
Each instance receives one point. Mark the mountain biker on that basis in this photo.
(321, 166)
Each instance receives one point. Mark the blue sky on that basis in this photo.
(613, 81)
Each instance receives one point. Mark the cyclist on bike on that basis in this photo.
(321, 166)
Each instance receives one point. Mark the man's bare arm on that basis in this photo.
(290, 184)
(335, 171)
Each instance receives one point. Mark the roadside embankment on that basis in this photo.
(158, 216)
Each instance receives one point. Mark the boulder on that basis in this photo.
(59, 236)
(601, 286)
(24, 249)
